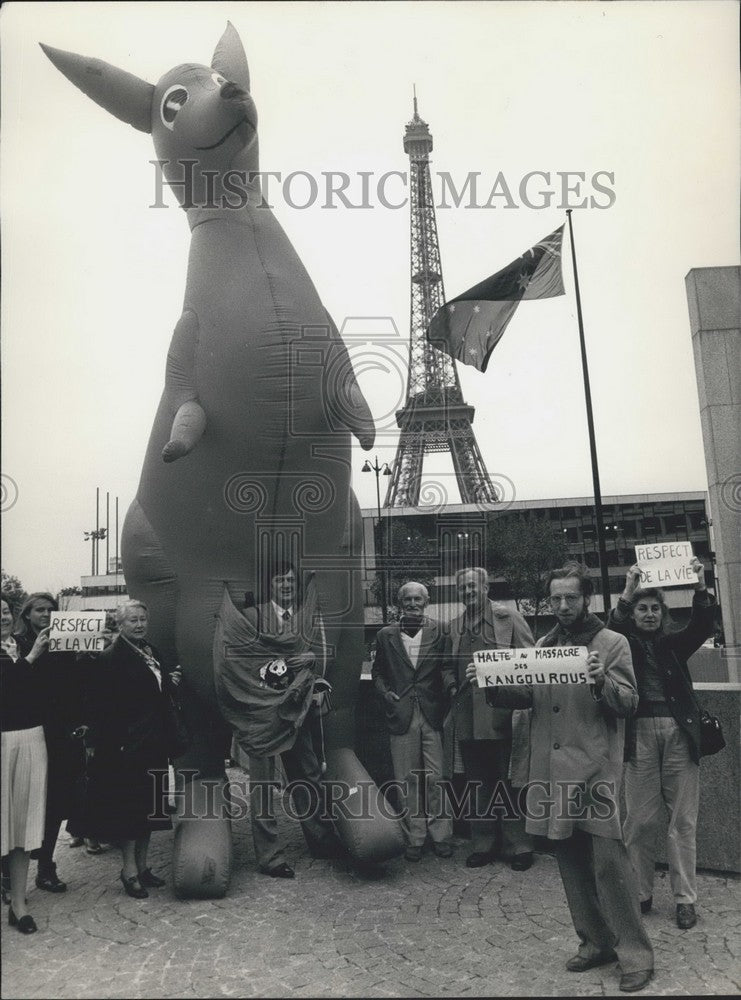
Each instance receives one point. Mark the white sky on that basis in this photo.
(93, 277)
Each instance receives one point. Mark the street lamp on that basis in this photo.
(95, 536)
(379, 471)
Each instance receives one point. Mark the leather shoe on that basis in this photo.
(521, 862)
(281, 871)
(25, 924)
(686, 916)
(646, 904)
(580, 964)
(630, 982)
(442, 850)
(150, 880)
(479, 858)
(413, 853)
(132, 886)
(47, 880)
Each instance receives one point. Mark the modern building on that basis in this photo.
(454, 536)
(104, 591)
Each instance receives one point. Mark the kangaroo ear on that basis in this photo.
(229, 58)
(126, 96)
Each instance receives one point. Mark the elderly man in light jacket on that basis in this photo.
(576, 758)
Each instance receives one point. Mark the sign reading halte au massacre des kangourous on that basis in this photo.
(544, 665)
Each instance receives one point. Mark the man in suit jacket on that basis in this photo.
(275, 617)
(407, 673)
(483, 735)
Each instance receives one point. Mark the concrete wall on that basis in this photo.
(714, 300)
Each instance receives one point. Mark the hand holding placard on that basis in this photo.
(539, 665)
(77, 631)
(666, 564)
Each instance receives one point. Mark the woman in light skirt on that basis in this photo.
(23, 764)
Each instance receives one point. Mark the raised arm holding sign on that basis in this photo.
(665, 564)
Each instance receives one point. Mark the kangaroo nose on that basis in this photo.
(230, 90)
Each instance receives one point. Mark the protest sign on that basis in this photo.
(544, 665)
(77, 631)
(665, 564)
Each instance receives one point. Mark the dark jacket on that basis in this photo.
(393, 671)
(130, 735)
(20, 700)
(127, 712)
(671, 651)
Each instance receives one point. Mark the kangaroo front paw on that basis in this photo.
(187, 430)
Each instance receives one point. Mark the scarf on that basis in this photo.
(580, 635)
(149, 658)
(410, 624)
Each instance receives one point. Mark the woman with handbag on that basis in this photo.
(662, 741)
(24, 765)
(130, 741)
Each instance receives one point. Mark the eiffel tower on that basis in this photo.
(435, 417)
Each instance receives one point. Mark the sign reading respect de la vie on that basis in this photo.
(544, 665)
(77, 631)
(665, 564)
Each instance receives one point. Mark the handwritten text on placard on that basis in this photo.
(544, 665)
(665, 564)
(77, 631)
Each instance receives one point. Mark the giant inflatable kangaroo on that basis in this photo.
(250, 448)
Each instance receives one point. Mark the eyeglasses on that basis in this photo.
(571, 599)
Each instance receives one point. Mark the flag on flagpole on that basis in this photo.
(470, 326)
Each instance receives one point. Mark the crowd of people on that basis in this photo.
(84, 738)
(565, 745)
(90, 741)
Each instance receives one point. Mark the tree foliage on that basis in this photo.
(524, 551)
(65, 593)
(406, 556)
(13, 592)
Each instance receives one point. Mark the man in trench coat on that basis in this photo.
(576, 758)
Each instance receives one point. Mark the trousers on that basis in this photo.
(662, 775)
(600, 888)
(417, 756)
(308, 801)
(486, 762)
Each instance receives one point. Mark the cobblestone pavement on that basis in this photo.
(432, 929)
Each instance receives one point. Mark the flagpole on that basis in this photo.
(601, 547)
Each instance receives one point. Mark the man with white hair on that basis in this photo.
(407, 673)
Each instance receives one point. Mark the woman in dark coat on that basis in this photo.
(60, 681)
(662, 742)
(129, 727)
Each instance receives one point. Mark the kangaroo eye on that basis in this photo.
(218, 78)
(172, 101)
